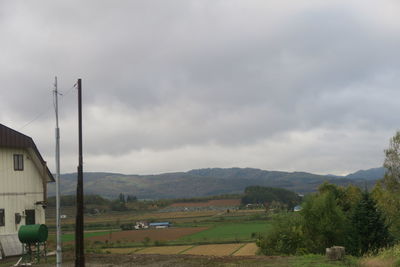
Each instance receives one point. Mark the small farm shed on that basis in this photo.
(159, 224)
(23, 192)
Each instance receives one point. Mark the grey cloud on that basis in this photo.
(165, 75)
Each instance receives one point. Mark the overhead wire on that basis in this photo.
(44, 112)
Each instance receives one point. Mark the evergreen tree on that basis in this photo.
(368, 230)
(122, 198)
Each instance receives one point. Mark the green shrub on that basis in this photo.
(285, 237)
(324, 222)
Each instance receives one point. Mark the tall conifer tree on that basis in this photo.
(368, 229)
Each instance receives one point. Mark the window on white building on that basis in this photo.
(2, 219)
(18, 162)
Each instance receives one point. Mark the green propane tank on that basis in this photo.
(33, 233)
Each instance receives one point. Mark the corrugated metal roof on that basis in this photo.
(159, 223)
(13, 139)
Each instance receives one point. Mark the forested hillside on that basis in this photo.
(196, 183)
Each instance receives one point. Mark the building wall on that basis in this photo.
(19, 190)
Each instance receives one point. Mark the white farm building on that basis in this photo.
(23, 187)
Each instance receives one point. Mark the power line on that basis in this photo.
(35, 118)
(65, 93)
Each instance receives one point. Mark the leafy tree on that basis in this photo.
(350, 198)
(392, 164)
(285, 237)
(346, 197)
(327, 187)
(368, 229)
(324, 222)
(387, 191)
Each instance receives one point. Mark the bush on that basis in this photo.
(324, 222)
(159, 243)
(285, 237)
(127, 226)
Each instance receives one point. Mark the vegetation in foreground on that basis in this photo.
(365, 223)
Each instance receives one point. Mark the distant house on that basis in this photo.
(297, 208)
(141, 225)
(23, 192)
(159, 224)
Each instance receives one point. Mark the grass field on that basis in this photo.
(240, 231)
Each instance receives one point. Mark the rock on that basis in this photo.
(335, 253)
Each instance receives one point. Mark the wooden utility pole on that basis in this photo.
(79, 247)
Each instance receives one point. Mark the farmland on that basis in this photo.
(213, 250)
(202, 237)
(189, 227)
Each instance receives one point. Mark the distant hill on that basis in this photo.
(203, 182)
(370, 174)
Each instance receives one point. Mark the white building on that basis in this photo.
(23, 187)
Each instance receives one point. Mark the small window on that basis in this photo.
(18, 162)
(2, 220)
(30, 217)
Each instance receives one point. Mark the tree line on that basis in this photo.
(362, 221)
(271, 197)
(118, 204)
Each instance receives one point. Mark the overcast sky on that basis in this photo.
(176, 85)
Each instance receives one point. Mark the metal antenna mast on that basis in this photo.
(58, 219)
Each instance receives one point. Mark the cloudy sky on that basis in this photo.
(176, 85)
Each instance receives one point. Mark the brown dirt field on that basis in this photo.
(167, 250)
(215, 202)
(166, 234)
(214, 250)
(249, 249)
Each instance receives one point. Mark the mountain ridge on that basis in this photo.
(205, 182)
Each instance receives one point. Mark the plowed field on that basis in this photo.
(166, 234)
